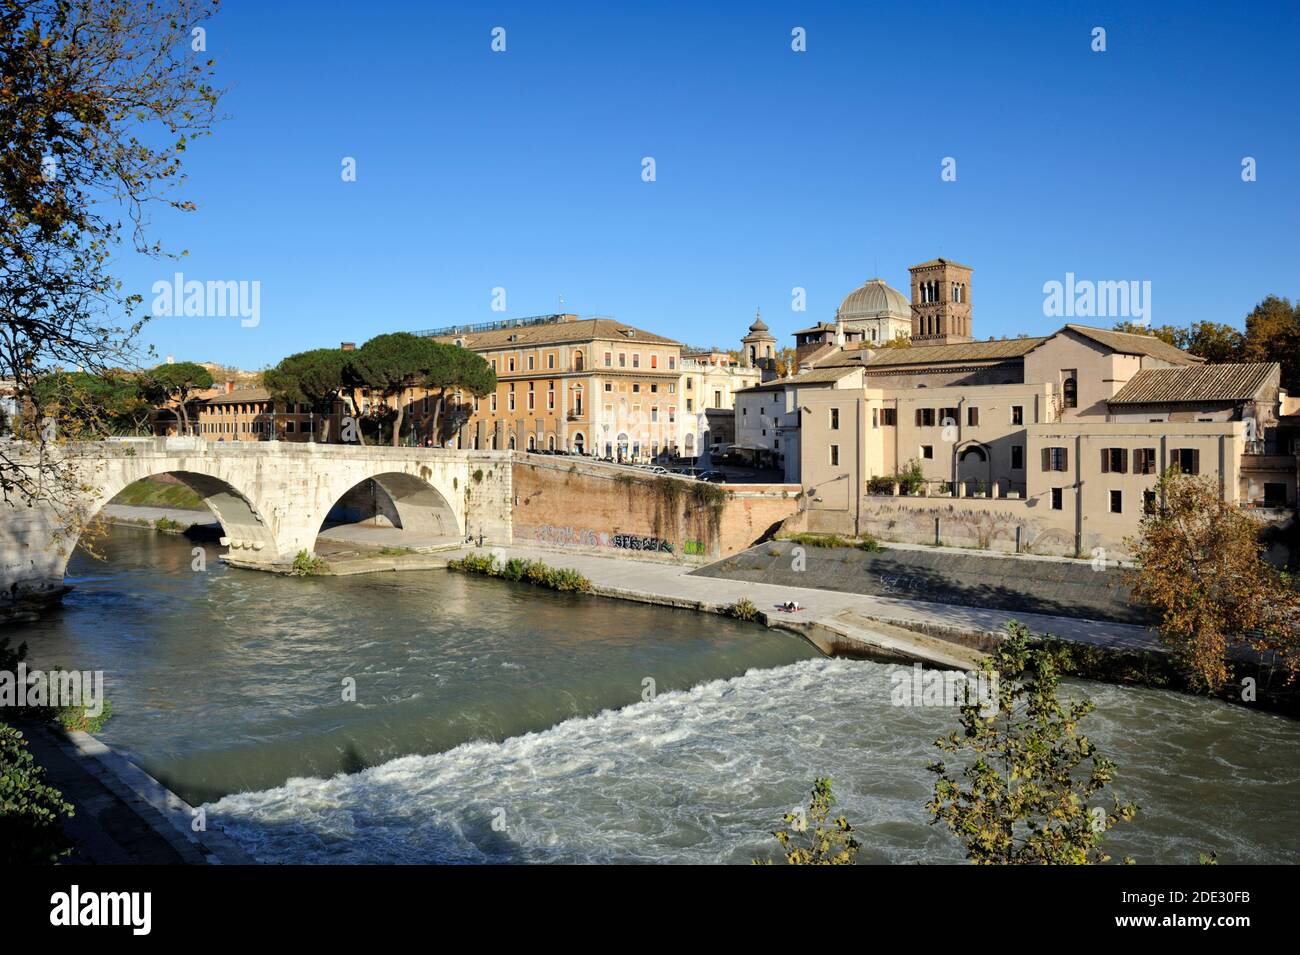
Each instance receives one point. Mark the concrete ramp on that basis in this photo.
(1017, 584)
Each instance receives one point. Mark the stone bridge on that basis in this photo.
(270, 497)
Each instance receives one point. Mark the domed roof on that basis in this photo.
(874, 299)
(759, 328)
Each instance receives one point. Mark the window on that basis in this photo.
(1144, 461)
(925, 417)
(717, 398)
(609, 386)
(672, 362)
(577, 361)
(622, 359)
(288, 427)
(550, 399)
(1056, 499)
(1148, 502)
(1114, 460)
(690, 384)
(875, 417)
(972, 417)
(1056, 459)
(636, 361)
(1187, 460)
(835, 419)
(530, 398)
(1017, 415)
(835, 454)
(512, 364)
(550, 363)
(609, 359)
(530, 362)
(636, 387)
(654, 361)
(1070, 391)
(889, 417)
(494, 404)
(690, 405)
(927, 450)
(654, 388)
(1117, 502)
(949, 416)
(1017, 457)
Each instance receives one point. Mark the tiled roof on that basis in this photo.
(239, 396)
(1196, 383)
(959, 351)
(1127, 343)
(555, 333)
(818, 376)
(941, 261)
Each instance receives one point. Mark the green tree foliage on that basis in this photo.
(98, 103)
(1028, 789)
(31, 812)
(312, 378)
(388, 365)
(176, 383)
(456, 369)
(1273, 334)
(93, 405)
(1199, 564)
(813, 838)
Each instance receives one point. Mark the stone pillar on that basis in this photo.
(959, 489)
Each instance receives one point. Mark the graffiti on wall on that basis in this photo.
(586, 537)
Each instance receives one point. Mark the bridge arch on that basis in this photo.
(396, 500)
(238, 513)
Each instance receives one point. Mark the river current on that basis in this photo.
(434, 717)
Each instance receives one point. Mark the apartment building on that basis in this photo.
(592, 386)
(249, 414)
(709, 382)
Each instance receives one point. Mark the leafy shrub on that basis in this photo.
(809, 840)
(1028, 787)
(522, 570)
(307, 565)
(880, 485)
(167, 525)
(867, 543)
(31, 812)
(743, 609)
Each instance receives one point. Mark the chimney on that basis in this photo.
(230, 385)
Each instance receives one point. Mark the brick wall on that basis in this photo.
(567, 503)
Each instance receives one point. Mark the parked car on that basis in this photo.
(713, 477)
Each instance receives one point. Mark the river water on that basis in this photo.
(498, 722)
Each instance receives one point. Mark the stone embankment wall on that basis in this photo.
(563, 502)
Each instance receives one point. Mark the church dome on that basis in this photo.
(874, 299)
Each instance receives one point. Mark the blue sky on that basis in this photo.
(775, 169)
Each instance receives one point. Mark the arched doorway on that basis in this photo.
(974, 468)
(579, 443)
(622, 446)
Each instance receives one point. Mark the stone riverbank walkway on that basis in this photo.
(673, 585)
